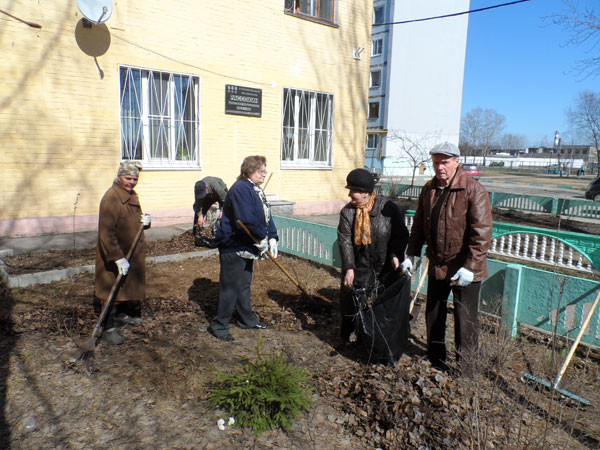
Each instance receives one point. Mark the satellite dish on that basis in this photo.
(96, 11)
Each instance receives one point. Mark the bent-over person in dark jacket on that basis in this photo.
(207, 191)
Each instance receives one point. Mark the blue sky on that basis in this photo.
(518, 64)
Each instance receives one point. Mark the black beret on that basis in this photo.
(360, 180)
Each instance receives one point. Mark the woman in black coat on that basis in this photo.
(372, 236)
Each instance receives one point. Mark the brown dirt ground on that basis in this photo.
(151, 391)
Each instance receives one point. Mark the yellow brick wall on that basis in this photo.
(59, 107)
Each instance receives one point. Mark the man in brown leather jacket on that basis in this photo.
(454, 220)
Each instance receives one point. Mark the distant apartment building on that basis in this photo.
(188, 88)
(415, 85)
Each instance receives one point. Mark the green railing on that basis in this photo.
(518, 294)
(540, 299)
(584, 209)
(588, 245)
(308, 240)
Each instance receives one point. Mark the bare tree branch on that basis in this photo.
(584, 117)
(479, 129)
(583, 25)
(415, 148)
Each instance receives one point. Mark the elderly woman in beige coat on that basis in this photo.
(119, 220)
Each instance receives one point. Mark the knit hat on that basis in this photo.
(128, 167)
(445, 148)
(360, 180)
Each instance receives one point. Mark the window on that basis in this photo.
(160, 119)
(373, 145)
(319, 9)
(307, 129)
(378, 15)
(376, 47)
(373, 110)
(375, 80)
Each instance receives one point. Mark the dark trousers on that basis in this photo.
(348, 312)
(234, 293)
(466, 320)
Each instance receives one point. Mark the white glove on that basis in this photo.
(262, 246)
(273, 247)
(122, 265)
(145, 220)
(407, 266)
(463, 277)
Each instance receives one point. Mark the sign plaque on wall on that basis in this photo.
(243, 101)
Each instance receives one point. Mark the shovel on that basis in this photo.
(292, 279)
(88, 346)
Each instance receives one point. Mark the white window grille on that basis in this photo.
(376, 47)
(307, 129)
(160, 119)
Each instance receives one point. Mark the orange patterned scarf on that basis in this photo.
(362, 223)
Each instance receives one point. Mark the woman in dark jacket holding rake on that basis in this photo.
(247, 203)
(372, 237)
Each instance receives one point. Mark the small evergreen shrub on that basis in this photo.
(262, 395)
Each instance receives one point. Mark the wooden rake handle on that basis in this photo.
(420, 285)
(576, 343)
(256, 241)
(115, 285)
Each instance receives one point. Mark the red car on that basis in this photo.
(472, 170)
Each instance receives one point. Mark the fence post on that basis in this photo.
(510, 299)
(555, 207)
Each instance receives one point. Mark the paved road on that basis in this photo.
(528, 187)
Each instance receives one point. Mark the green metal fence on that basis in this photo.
(541, 300)
(518, 294)
(588, 245)
(584, 209)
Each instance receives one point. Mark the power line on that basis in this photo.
(454, 14)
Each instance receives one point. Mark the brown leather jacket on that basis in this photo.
(464, 228)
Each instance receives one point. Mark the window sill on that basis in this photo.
(157, 166)
(292, 165)
(311, 18)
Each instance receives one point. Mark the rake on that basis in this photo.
(566, 362)
(87, 347)
(415, 308)
(256, 241)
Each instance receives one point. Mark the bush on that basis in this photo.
(262, 395)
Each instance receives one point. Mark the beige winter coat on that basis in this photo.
(119, 221)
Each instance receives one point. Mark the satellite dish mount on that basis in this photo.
(94, 11)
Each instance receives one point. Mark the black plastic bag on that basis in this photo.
(384, 319)
(200, 240)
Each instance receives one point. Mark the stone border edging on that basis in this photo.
(28, 279)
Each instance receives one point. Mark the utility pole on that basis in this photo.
(558, 143)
